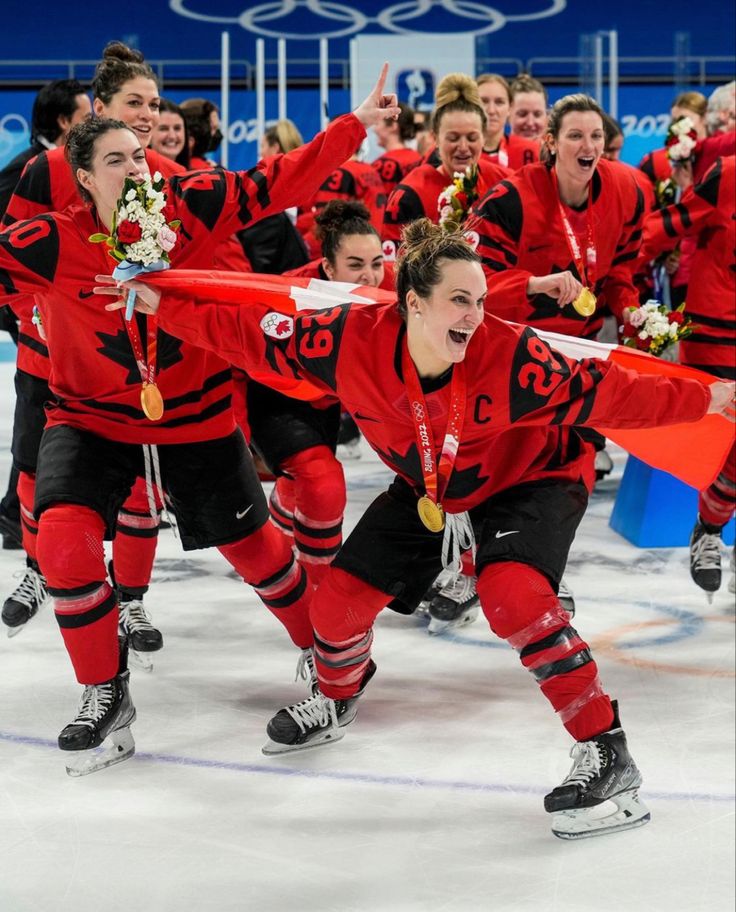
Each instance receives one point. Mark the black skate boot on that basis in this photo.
(106, 711)
(602, 771)
(316, 720)
(603, 464)
(705, 557)
(456, 604)
(134, 623)
(22, 604)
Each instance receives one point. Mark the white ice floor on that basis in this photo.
(433, 800)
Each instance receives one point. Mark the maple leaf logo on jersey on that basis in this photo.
(118, 349)
(277, 326)
(463, 482)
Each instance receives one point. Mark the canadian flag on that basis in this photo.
(693, 452)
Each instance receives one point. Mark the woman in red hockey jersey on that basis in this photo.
(458, 124)
(398, 158)
(91, 450)
(510, 150)
(297, 440)
(124, 87)
(438, 368)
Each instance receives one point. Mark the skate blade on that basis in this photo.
(141, 660)
(14, 631)
(709, 597)
(274, 749)
(568, 605)
(121, 746)
(630, 812)
(437, 627)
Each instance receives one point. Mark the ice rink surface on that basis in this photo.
(433, 800)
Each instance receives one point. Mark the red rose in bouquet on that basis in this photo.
(129, 232)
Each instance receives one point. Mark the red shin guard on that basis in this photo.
(72, 558)
(29, 527)
(266, 561)
(343, 611)
(521, 607)
(136, 538)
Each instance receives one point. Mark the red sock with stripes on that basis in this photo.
(716, 503)
(29, 527)
(134, 545)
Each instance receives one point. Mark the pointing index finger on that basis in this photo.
(378, 90)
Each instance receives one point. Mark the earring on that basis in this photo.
(417, 314)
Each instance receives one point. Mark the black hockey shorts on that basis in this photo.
(211, 486)
(533, 524)
(31, 395)
(281, 426)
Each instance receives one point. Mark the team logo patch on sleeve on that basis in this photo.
(277, 326)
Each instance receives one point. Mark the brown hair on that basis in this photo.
(119, 65)
(405, 122)
(485, 78)
(80, 145)
(575, 102)
(526, 83)
(457, 92)
(337, 220)
(423, 246)
(691, 101)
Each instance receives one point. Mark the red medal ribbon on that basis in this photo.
(584, 265)
(436, 474)
(147, 365)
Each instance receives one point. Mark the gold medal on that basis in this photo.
(431, 514)
(585, 303)
(152, 402)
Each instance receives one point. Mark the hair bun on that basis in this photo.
(337, 213)
(116, 50)
(457, 87)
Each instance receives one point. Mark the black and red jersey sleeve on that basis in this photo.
(339, 185)
(32, 194)
(29, 256)
(404, 205)
(548, 388)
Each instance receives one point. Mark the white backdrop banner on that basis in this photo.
(417, 63)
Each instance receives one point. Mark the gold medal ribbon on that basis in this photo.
(436, 473)
(585, 303)
(152, 402)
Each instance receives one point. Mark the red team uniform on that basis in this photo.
(393, 167)
(517, 462)
(513, 152)
(90, 449)
(522, 235)
(416, 197)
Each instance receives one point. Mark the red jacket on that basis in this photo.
(707, 212)
(354, 180)
(47, 185)
(393, 166)
(514, 152)
(93, 370)
(521, 395)
(521, 235)
(416, 197)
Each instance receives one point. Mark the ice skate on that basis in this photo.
(567, 598)
(603, 465)
(105, 714)
(306, 671)
(25, 602)
(316, 720)
(134, 623)
(705, 557)
(603, 771)
(455, 606)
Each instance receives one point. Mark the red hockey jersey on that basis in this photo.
(514, 152)
(93, 370)
(707, 211)
(47, 185)
(393, 166)
(354, 180)
(521, 394)
(522, 235)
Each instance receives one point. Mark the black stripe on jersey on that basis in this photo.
(261, 182)
(647, 167)
(716, 322)
(7, 283)
(212, 382)
(708, 189)
(34, 344)
(709, 340)
(589, 397)
(668, 224)
(576, 388)
(35, 182)
(625, 257)
(684, 215)
(488, 243)
(725, 371)
(85, 618)
(119, 408)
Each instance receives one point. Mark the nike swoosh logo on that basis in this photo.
(242, 513)
(501, 534)
(85, 294)
(366, 418)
